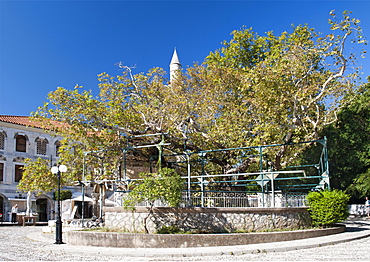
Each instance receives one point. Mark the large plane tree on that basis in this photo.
(256, 89)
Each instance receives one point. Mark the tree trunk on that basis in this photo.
(146, 218)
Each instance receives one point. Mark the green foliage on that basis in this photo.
(281, 82)
(105, 229)
(38, 177)
(328, 207)
(169, 230)
(257, 89)
(361, 185)
(64, 194)
(166, 185)
(349, 145)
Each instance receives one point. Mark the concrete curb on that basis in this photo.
(355, 230)
(132, 240)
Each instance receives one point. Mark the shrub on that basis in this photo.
(169, 230)
(64, 194)
(166, 185)
(328, 207)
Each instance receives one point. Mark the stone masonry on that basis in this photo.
(207, 219)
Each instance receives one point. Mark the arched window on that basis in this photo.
(2, 168)
(1, 172)
(2, 140)
(57, 147)
(18, 173)
(21, 143)
(41, 146)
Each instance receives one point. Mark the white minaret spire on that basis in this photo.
(175, 65)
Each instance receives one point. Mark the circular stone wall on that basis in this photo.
(127, 240)
(216, 220)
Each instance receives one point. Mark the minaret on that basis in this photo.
(175, 65)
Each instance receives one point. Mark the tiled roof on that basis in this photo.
(20, 120)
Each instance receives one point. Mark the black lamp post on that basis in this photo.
(56, 170)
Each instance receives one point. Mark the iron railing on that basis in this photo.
(230, 200)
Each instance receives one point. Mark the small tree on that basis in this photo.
(166, 185)
(64, 194)
(328, 207)
(37, 176)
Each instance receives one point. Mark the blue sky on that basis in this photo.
(46, 44)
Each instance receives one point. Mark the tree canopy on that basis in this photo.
(350, 145)
(256, 89)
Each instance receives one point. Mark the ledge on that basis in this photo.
(207, 209)
(130, 240)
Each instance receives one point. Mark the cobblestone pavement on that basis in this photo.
(357, 250)
(16, 246)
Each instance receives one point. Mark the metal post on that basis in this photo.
(124, 165)
(58, 229)
(202, 178)
(189, 179)
(83, 193)
(83, 205)
(202, 190)
(56, 170)
(100, 201)
(272, 190)
(262, 176)
(326, 159)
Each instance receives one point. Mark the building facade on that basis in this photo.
(20, 139)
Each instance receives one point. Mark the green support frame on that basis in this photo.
(200, 179)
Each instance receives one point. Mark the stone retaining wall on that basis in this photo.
(207, 219)
(128, 240)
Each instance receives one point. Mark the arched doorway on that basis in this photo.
(43, 208)
(42, 205)
(2, 216)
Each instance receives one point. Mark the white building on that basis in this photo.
(20, 139)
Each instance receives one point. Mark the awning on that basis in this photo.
(77, 196)
(19, 199)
